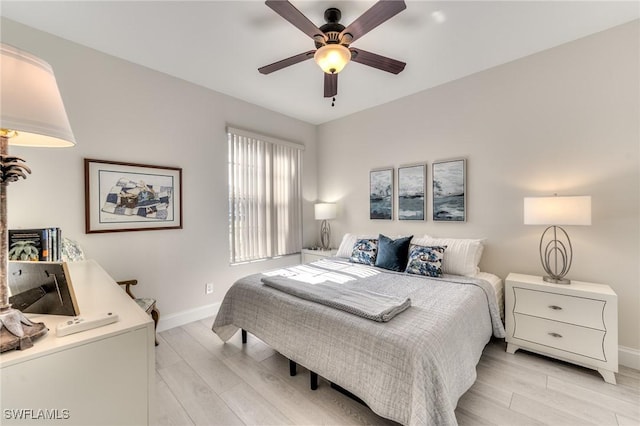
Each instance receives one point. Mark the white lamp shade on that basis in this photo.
(574, 210)
(332, 58)
(325, 211)
(30, 102)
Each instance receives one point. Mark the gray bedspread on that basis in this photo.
(412, 370)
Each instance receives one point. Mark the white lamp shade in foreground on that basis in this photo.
(325, 211)
(574, 210)
(30, 102)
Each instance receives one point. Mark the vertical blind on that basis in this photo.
(265, 197)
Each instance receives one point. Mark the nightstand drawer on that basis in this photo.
(558, 307)
(567, 337)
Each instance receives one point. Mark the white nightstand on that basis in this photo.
(577, 323)
(309, 255)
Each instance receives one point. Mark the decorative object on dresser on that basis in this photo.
(556, 252)
(449, 190)
(381, 194)
(131, 197)
(42, 288)
(577, 323)
(313, 254)
(325, 212)
(411, 192)
(32, 115)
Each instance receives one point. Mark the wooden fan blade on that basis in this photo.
(376, 61)
(268, 69)
(330, 85)
(295, 17)
(376, 15)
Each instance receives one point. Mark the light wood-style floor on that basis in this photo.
(201, 381)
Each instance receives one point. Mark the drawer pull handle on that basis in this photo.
(555, 307)
(555, 335)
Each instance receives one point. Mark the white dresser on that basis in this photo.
(576, 322)
(103, 376)
(310, 255)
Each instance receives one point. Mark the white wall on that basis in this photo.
(124, 112)
(565, 120)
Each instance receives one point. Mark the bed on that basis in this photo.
(411, 369)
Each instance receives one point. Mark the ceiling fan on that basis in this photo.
(333, 40)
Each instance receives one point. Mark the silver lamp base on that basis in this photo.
(556, 255)
(556, 280)
(325, 235)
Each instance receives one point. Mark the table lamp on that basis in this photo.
(31, 114)
(325, 212)
(556, 253)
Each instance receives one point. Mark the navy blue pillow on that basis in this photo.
(393, 254)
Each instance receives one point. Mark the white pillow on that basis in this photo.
(349, 240)
(461, 257)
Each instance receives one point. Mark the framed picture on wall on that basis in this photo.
(449, 191)
(381, 194)
(131, 197)
(411, 192)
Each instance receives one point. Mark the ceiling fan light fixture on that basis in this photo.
(332, 58)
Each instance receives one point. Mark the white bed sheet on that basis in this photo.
(498, 285)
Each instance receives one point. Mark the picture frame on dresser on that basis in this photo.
(381, 193)
(411, 192)
(449, 192)
(121, 196)
(42, 288)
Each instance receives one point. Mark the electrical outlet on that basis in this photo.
(208, 288)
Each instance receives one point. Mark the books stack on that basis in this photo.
(41, 244)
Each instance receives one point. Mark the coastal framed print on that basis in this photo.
(411, 192)
(131, 197)
(449, 190)
(381, 194)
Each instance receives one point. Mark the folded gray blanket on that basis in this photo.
(363, 303)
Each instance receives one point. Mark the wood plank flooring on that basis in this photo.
(201, 381)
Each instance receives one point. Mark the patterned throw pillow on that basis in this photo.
(425, 260)
(365, 251)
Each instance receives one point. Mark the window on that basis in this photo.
(265, 196)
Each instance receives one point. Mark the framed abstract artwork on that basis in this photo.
(131, 197)
(411, 192)
(449, 191)
(381, 194)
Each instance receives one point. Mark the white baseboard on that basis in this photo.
(629, 357)
(185, 317)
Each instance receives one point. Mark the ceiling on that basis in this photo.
(221, 44)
